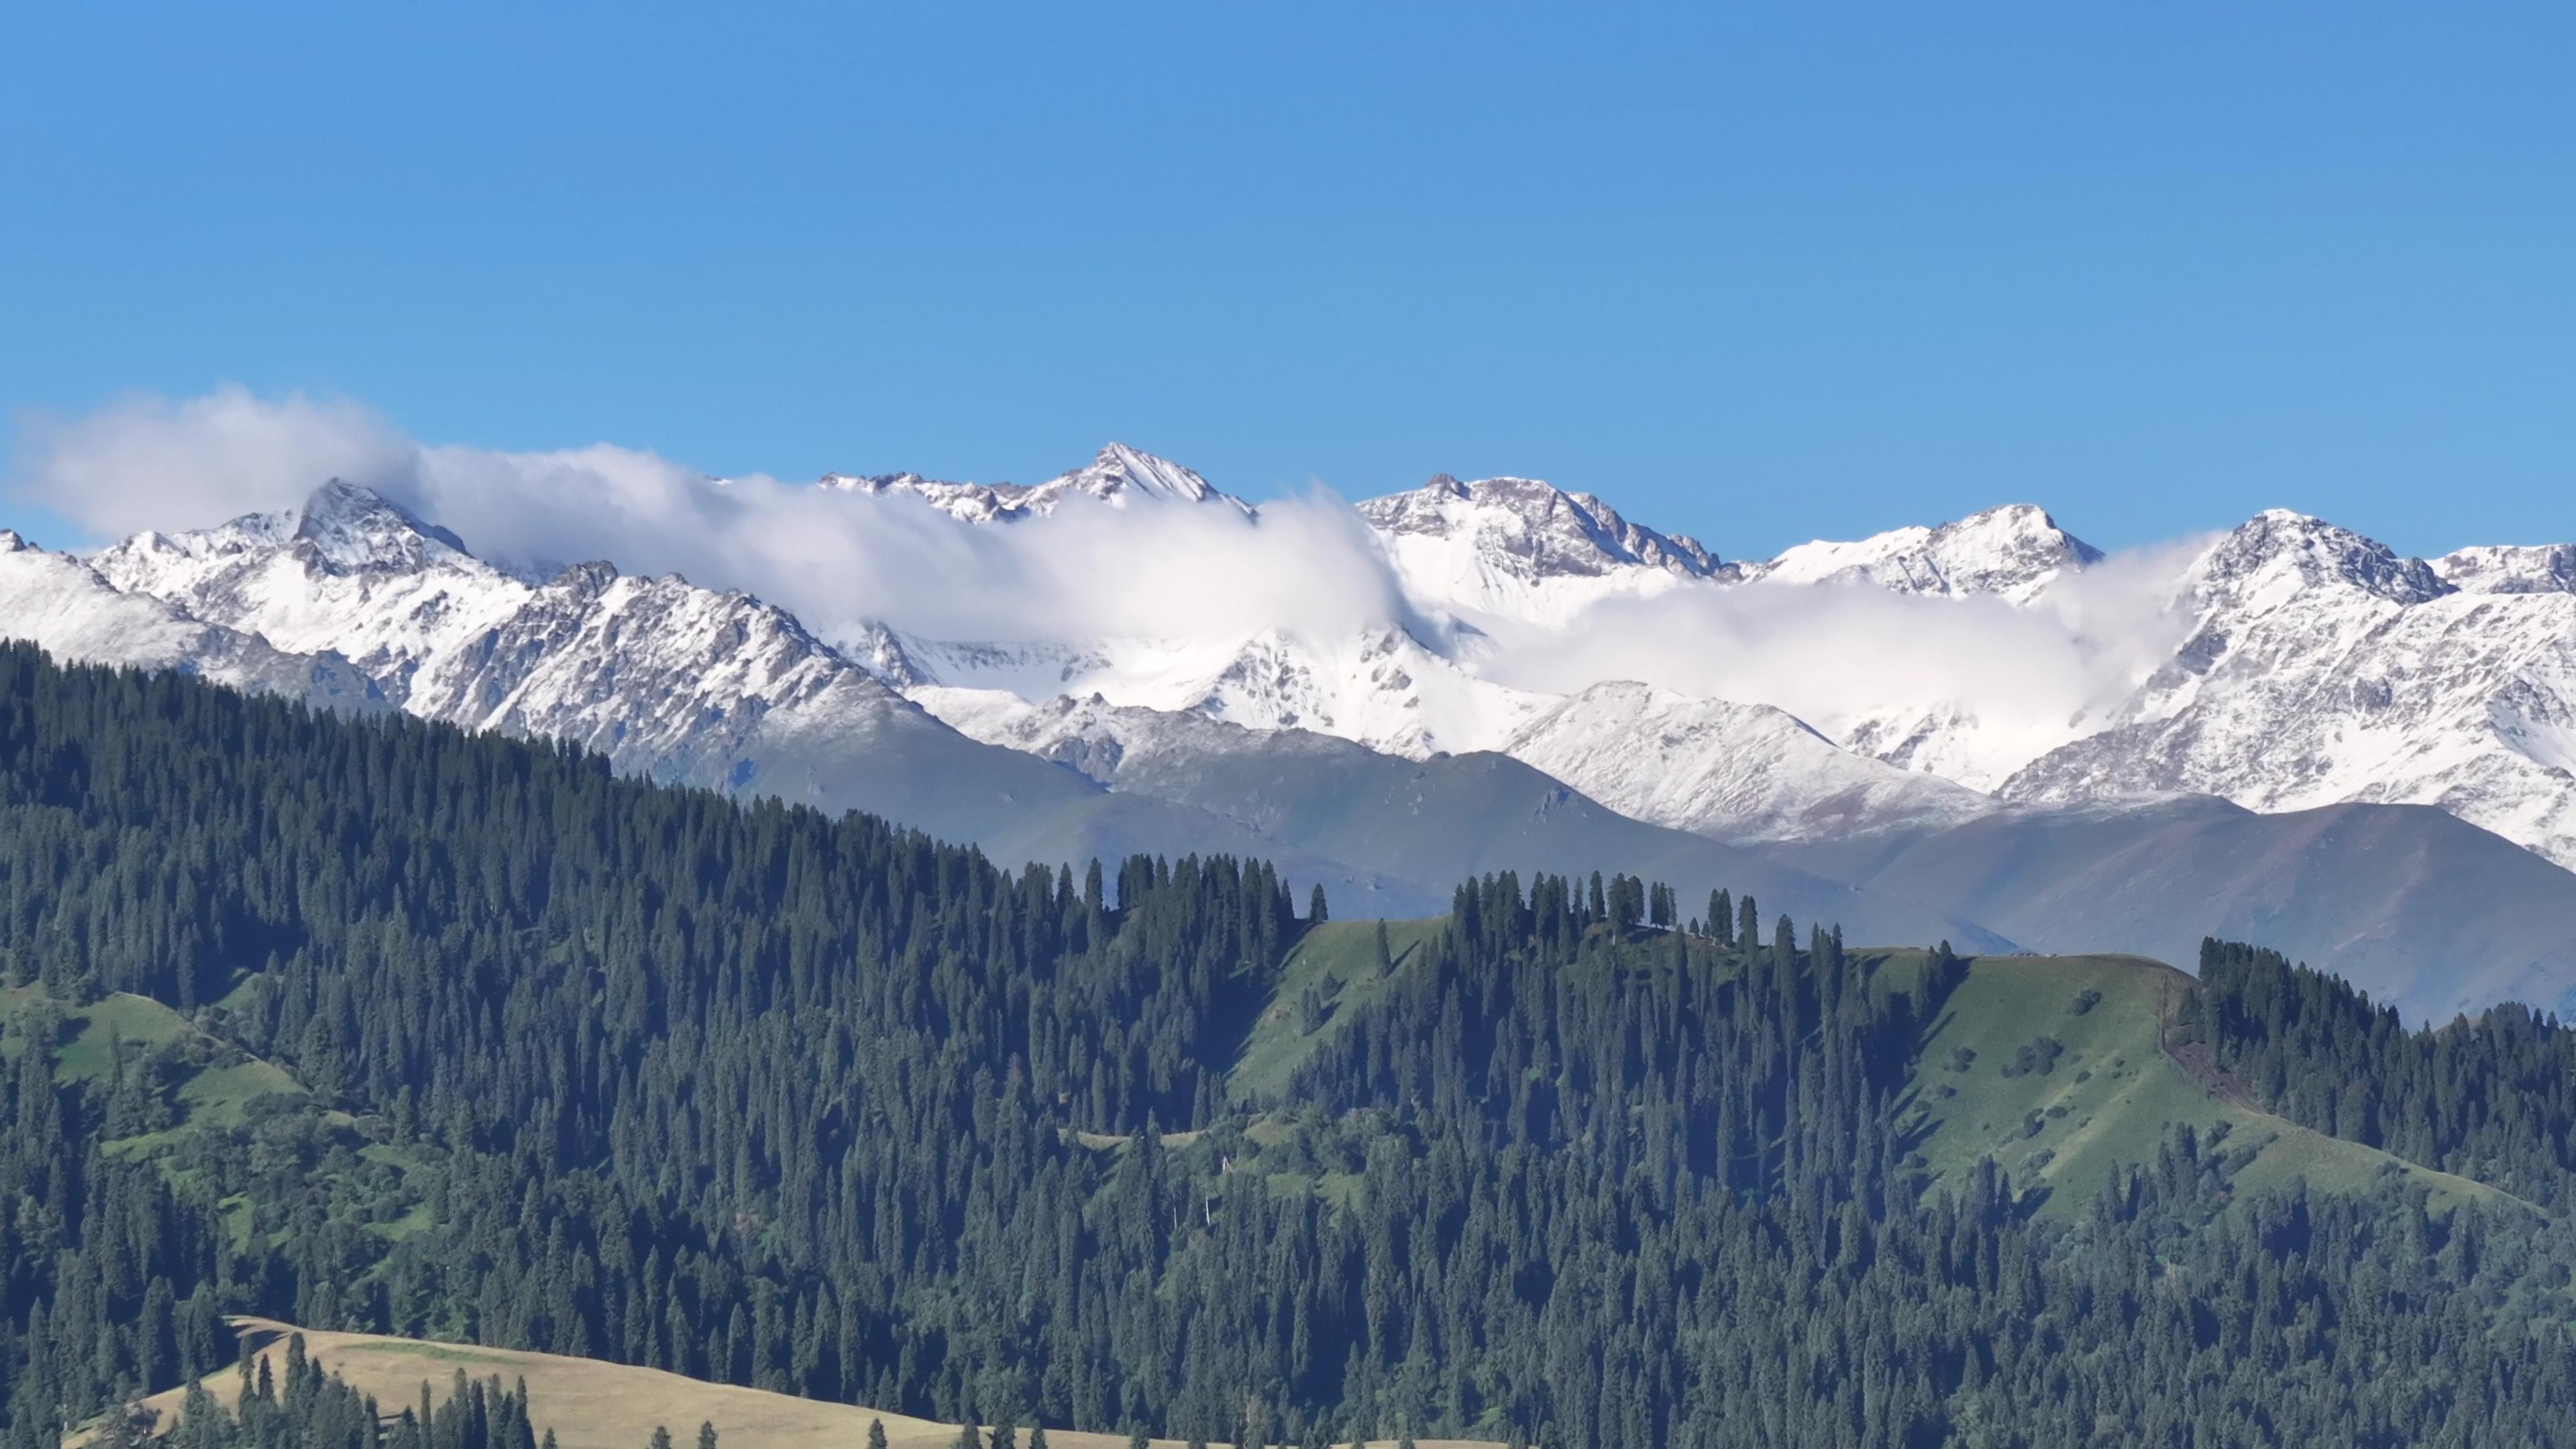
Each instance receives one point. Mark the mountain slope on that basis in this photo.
(1428, 822)
(2108, 1093)
(2416, 907)
(2323, 668)
(63, 604)
(1517, 548)
(1728, 771)
(2014, 551)
(686, 684)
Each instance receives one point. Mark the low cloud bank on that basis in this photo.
(1833, 653)
(1308, 565)
(837, 559)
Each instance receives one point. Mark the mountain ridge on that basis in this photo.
(2316, 668)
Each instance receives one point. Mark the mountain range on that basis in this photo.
(2294, 734)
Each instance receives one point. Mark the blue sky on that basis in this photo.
(1759, 276)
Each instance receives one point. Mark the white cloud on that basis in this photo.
(147, 462)
(1835, 653)
(1831, 654)
(837, 559)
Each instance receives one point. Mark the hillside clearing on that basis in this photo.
(2014, 1071)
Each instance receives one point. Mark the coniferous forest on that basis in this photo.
(580, 1063)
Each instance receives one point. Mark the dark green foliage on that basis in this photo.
(2039, 1054)
(824, 1107)
(2085, 1001)
(2492, 1098)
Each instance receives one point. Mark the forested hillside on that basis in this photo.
(2492, 1097)
(461, 1037)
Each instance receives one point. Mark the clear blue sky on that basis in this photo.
(1815, 270)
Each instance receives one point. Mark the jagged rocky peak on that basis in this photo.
(2278, 553)
(2013, 551)
(1537, 529)
(350, 526)
(583, 581)
(2548, 568)
(1121, 475)
(966, 502)
(1118, 475)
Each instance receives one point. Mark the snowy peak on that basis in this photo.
(2545, 569)
(1533, 531)
(350, 527)
(1118, 476)
(965, 502)
(66, 607)
(2013, 551)
(1122, 475)
(2278, 554)
(350, 572)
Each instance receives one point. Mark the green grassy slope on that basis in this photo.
(2110, 1094)
(214, 1083)
(218, 1102)
(1339, 960)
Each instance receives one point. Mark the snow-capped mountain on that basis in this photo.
(348, 572)
(2013, 552)
(1380, 687)
(63, 604)
(659, 675)
(2312, 666)
(1728, 770)
(1516, 548)
(1513, 556)
(2306, 667)
(1120, 477)
(2323, 667)
(2547, 569)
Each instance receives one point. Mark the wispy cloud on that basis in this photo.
(836, 558)
(149, 462)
